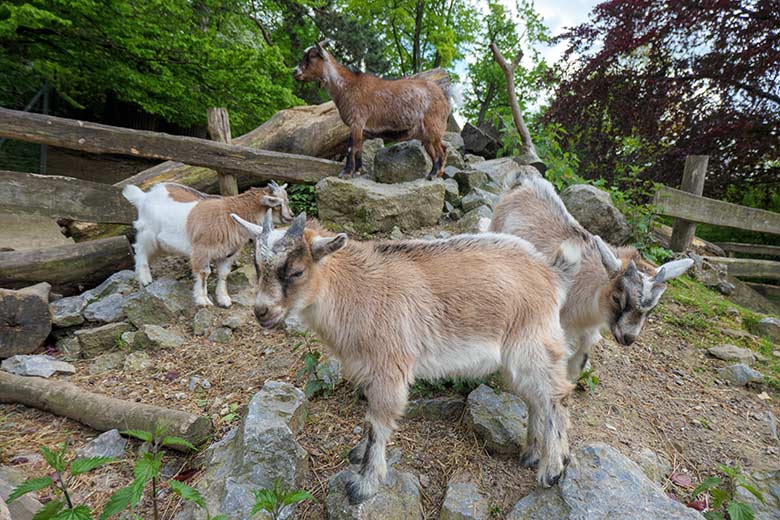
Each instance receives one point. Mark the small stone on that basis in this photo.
(66, 312)
(451, 191)
(499, 420)
(235, 320)
(402, 162)
(36, 365)
(198, 381)
(471, 222)
(106, 310)
(370, 148)
(101, 339)
(463, 501)
(329, 372)
(397, 499)
(106, 362)
(396, 234)
(128, 338)
(175, 294)
(472, 159)
(156, 337)
(740, 374)
(357, 430)
(732, 353)
(768, 328)
(136, 361)
(203, 321)
(593, 208)
(144, 308)
(443, 234)
(478, 197)
(120, 282)
(108, 444)
(70, 348)
(469, 179)
(221, 335)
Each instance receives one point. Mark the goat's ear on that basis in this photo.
(608, 258)
(270, 201)
(323, 246)
(253, 229)
(672, 269)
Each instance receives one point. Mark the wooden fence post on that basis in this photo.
(219, 130)
(693, 182)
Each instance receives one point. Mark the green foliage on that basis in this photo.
(588, 380)
(315, 385)
(722, 490)
(303, 197)
(278, 499)
(189, 494)
(459, 385)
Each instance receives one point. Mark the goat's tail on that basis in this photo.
(566, 263)
(454, 95)
(134, 194)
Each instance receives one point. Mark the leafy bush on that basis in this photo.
(278, 499)
(722, 489)
(303, 198)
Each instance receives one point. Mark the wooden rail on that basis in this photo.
(748, 267)
(227, 158)
(749, 249)
(64, 197)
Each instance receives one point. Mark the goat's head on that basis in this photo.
(275, 197)
(634, 291)
(287, 266)
(312, 65)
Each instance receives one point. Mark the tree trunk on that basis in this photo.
(418, 22)
(694, 174)
(25, 319)
(219, 130)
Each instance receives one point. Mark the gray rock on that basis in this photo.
(437, 408)
(402, 162)
(454, 140)
(397, 234)
(144, 308)
(503, 172)
(66, 312)
(469, 179)
(36, 365)
(454, 213)
(241, 279)
(136, 361)
(127, 339)
(235, 320)
(203, 320)
(155, 337)
(100, 339)
(732, 353)
(491, 188)
(294, 323)
(371, 147)
(472, 159)
(23, 508)
(482, 141)
(593, 208)
(221, 335)
(471, 221)
(768, 328)
(70, 348)
(601, 483)
(655, 467)
(768, 483)
(120, 282)
(463, 501)
(478, 197)
(397, 499)
(104, 362)
(198, 381)
(175, 294)
(499, 420)
(262, 449)
(370, 206)
(451, 191)
(454, 157)
(740, 374)
(329, 371)
(106, 310)
(107, 444)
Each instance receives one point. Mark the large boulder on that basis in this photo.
(593, 209)
(482, 141)
(371, 147)
(369, 206)
(601, 483)
(402, 162)
(154, 337)
(498, 419)
(397, 499)
(255, 454)
(25, 319)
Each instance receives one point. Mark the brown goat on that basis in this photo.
(400, 109)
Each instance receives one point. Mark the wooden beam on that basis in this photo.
(69, 268)
(694, 174)
(679, 204)
(749, 249)
(219, 130)
(771, 292)
(748, 267)
(64, 197)
(263, 165)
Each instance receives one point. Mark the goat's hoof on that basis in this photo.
(529, 458)
(551, 480)
(225, 304)
(345, 174)
(355, 491)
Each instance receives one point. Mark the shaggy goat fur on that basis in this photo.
(614, 286)
(391, 313)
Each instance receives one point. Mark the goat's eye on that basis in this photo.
(295, 275)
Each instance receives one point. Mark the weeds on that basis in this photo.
(278, 500)
(721, 490)
(317, 382)
(588, 380)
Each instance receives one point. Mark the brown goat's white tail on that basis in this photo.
(566, 263)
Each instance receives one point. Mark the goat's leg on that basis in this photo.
(386, 402)
(529, 458)
(144, 248)
(349, 166)
(357, 453)
(223, 270)
(200, 275)
(433, 153)
(443, 161)
(580, 352)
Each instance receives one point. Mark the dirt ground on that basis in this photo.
(661, 393)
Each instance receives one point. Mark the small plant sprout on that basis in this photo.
(719, 495)
(588, 380)
(311, 359)
(279, 500)
(189, 494)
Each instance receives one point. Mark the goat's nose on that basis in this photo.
(261, 311)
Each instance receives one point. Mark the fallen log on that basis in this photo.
(25, 319)
(69, 268)
(98, 411)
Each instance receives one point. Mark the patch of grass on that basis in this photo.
(459, 385)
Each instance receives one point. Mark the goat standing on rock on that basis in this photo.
(176, 219)
(390, 312)
(400, 109)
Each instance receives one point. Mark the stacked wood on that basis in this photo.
(25, 319)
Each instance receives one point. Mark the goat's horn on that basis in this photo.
(272, 183)
(268, 223)
(296, 228)
(321, 44)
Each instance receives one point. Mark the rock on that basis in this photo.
(38, 365)
(370, 206)
(453, 157)
(768, 328)
(478, 197)
(593, 208)
(293, 323)
(120, 282)
(768, 483)
(463, 501)
(198, 381)
(204, 319)
(70, 348)
(136, 361)
(740, 374)
(601, 483)
(106, 310)
(66, 312)
(329, 371)
(107, 444)
(100, 339)
(472, 221)
(472, 159)
(654, 467)
(127, 339)
(155, 337)
(732, 353)
(469, 179)
(504, 171)
(23, 508)
(396, 234)
(175, 294)
(25, 319)
(402, 162)
(397, 499)
(451, 191)
(241, 279)
(144, 308)
(499, 420)
(437, 408)
(221, 335)
(235, 320)
(371, 147)
(454, 140)
(104, 362)
(252, 456)
(481, 141)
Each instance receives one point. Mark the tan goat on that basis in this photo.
(391, 312)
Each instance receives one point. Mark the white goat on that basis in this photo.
(176, 219)
(614, 286)
(391, 313)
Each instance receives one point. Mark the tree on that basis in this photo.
(651, 81)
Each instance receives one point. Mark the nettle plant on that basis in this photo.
(721, 490)
(311, 358)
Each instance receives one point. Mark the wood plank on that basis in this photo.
(69, 268)
(679, 204)
(771, 292)
(64, 197)
(749, 249)
(263, 165)
(219, 130)
(692, 182)
(748, 267)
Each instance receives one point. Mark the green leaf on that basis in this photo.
(139, 434)
(147, 466)
(312, 388)
(219, 517)
(265, 500)
(728, 470)
(178, 441)
(81, 512)
(55, 459)
(719, 497)
(28, 486)
(707, 484)
(740, 511)
(296, 496)
(121, 499)
(80, 466)
(751, 489)
(48, 510)
(714, 515)
(228, 418)
(187, 493)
